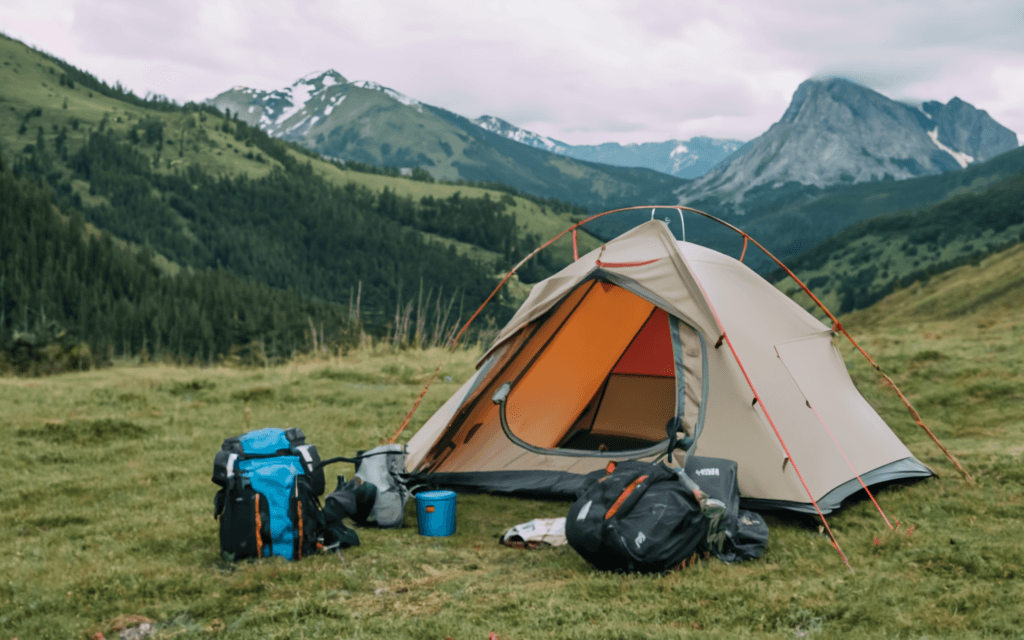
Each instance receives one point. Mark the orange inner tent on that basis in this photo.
(597, 373)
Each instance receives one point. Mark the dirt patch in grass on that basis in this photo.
(85, 432)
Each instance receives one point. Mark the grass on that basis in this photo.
(107, 506)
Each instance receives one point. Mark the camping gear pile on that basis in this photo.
(635, 516)
(269, 501)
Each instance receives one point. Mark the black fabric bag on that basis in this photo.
(353, 499)
(637, 518)
(739, 534)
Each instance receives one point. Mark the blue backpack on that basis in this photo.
(269, 502)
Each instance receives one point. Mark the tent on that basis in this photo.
(643, 330)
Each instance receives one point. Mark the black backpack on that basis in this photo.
(639, 517)
(636, 517)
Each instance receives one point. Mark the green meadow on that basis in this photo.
(106, 506)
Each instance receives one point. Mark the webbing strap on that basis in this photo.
(355, 460)
(261, 456)
(298, 510)
(259, 527)
(630, 488)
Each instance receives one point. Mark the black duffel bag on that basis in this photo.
(641, 517)
(636, 518)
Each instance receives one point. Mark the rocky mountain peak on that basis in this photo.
(969, 130)
(321, 79)
(836, 131)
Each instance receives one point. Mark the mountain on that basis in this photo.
(681, 158)
(790, 222)
(838, 132)
(365, 122)
(508, 130)
(841, 154)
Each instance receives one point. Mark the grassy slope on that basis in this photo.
(113, 518)
(28, 81)
(986, 293)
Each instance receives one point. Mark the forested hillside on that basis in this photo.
(73, 299)
(216, 203)
(861, 265)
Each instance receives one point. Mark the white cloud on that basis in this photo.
(579, 72)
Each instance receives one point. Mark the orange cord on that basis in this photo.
(850, 464)
(259, 526)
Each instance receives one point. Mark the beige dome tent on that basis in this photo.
(638, 332)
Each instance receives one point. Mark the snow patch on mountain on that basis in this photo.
(299, 95)
(684, 159)
(334, 102)
(522, 136)
(681, 148)
(838, 132)
(400, 97)
(959, 156)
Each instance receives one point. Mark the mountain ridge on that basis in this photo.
(366, 122)
(681, 158)
(835, 131)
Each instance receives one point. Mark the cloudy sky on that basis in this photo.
(583, 72)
